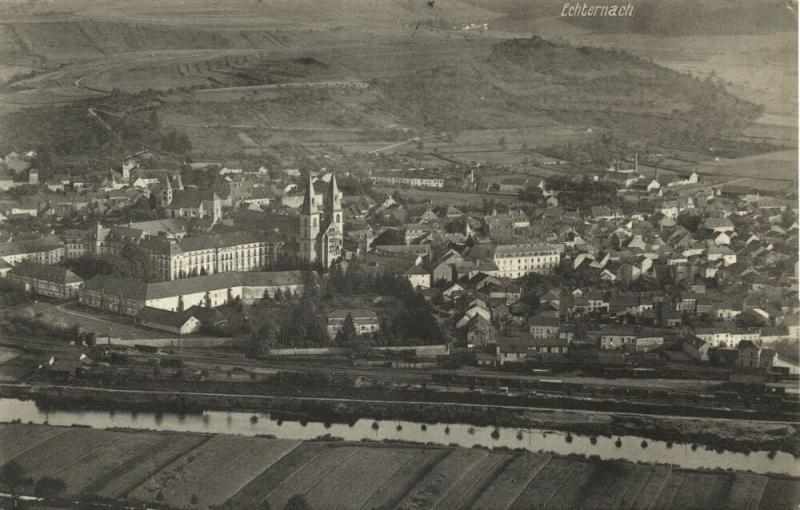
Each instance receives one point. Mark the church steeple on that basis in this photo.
(309, 224)
(310, 205)
(166, 196)
(334, 194)
(334, 205)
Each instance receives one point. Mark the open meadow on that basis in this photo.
(185, 470)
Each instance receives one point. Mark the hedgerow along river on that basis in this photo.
(630, 448)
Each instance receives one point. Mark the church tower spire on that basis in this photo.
(309, 224)
(334, 205)
(166, 196)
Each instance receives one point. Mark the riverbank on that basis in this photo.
(346, 386)
(733, 435)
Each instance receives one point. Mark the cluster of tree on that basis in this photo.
(348, 335)
(415, 324)
(302, 326)
(207, 178)
(788, 348)
(176, 142)
(304, 323)
(353, 186)
(750, 319)
(25, 190)
(22, 326)
(79, 220)
(117, 125)
(575, 193)
(356, 279)
(132, 264)
(531, 291)
(690, 219)
(486, 206)
(415, 321)
(48, 487)
(13, 477)
(12, 294)
(28, 225)
(589, 155)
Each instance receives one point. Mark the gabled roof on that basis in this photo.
(747, 344)
(694, 341)
(545, 321)
(355, 313)
(52, 273)
(190, 199)
(200, 284)
(166, 317)
(206, 242)
(713, 222)
(478, 321)
(117, 286)
(29, 246)
(415, 270)
(526, 341)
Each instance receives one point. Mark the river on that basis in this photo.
(630, 448)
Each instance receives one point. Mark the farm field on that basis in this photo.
(196, 474)
(191, 471)
(775, 165)
(432, 489)
(45, 452)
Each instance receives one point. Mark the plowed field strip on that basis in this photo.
(14, 442)
(406, 479)
(123, 479)
(258, 489)
(510, 486)
(467, 490)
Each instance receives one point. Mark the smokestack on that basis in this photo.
(636, 163)
(657, 162)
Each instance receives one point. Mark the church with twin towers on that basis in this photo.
(321, 225)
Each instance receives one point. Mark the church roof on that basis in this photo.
(190, 199)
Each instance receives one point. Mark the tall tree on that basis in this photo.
(12, 475)
(346, 336)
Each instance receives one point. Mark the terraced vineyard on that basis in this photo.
(183, 470)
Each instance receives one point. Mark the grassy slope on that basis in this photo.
(514, 84)
(432, 82)
(529, 78)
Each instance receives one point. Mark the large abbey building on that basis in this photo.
(321, 226)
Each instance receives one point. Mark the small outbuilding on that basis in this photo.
(179, 323)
